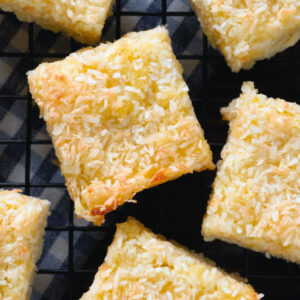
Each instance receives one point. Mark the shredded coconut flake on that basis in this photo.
(247, 31)
(142, 265)
(83, 20)
(22, 221)
(119, 127)
(257, 182)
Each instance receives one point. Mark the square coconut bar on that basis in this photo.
(121, 120)
(142, 265)
(249, 30)
(82, 20)
(22, 223)
(255, 201)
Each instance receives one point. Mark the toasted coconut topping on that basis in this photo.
(22, 223)
(83, 20)
(120, 119)
(141, 265)
(249, 30)
(255, 199)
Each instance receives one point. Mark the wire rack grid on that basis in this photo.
(215, 86)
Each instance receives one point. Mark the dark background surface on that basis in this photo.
(73, 250)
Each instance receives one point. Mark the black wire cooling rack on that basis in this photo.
(174, 209)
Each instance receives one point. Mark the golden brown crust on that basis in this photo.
(82, 20)
(120, 119)
(22, 223)
(256, 194)
(142, 265)
(247, 31)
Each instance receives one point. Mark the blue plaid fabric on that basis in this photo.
(209, 80)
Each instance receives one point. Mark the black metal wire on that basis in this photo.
(71, 250)
(118, 19)
(29, 119)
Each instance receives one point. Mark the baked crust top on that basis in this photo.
(256, 195)
(121, 120)
(22, 223)
(142, 265)
(250, 30)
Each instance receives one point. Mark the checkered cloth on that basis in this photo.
(187, 40)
